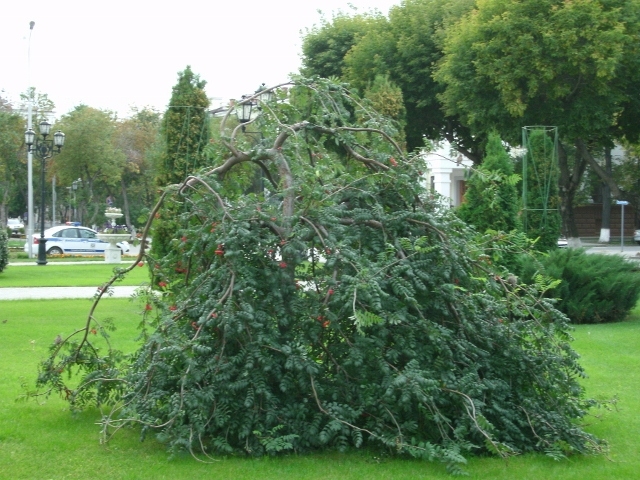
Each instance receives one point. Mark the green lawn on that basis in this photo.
(46, 441)
(65, 275)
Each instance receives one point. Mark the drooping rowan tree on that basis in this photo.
(338, 306)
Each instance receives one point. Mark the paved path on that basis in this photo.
(630, 251)
(32, 293)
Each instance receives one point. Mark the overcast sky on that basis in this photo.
(117, 54)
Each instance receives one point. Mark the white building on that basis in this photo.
(447, 173)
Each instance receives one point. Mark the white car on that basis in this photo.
(65, 239)
(636, 236)
(15, 224)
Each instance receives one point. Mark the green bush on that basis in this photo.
(4, 250)
(594, 288)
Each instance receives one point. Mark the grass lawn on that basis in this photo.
(64, 275)
(46, 441)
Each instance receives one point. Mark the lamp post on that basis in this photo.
(44, 149)
(622, 203)
(30, 222)
(76, 183)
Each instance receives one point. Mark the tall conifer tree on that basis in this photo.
(186, 133)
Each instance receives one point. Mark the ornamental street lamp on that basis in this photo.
(245, 110)
(44, 149)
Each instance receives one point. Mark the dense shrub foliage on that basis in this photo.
(336, 307)
(4, 249)
(594, 288)
(491, 198)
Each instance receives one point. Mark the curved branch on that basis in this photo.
(266, 172)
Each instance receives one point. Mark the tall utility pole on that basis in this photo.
(30, 218)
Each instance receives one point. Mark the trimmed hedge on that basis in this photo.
(594, 288)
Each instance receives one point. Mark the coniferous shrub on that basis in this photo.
(4, 249)
(338, 307)
(491, 199)
(594, 288)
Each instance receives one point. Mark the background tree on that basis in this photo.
(137, 137)
(325, 46)
(338, 306)
(565, 64)
(92, 154)
(12, 166)
(406, 48)
(185, 131)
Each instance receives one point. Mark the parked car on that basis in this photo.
(65, 239)
(636, 236)
(15, 224)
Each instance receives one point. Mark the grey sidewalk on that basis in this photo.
(630, 251)
(33, 293)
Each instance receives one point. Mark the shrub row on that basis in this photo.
(594, 288)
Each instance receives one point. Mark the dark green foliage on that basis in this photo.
(491, 199)
(340, 308)
(4, 249)
(594, 288)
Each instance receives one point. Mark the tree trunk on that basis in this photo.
(3, 208)
(570, 177)
(3, 215)
(601, 172)
(605, 229)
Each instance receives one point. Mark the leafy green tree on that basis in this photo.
(550, 62)
(409, 48)
(90, 152)
(324, 47)
(12, 168)
(138, 138)
(185, 130)
(406, 48)
(338, 306)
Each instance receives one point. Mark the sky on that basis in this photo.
(120, 54)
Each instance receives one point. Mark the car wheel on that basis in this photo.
(54, 251)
